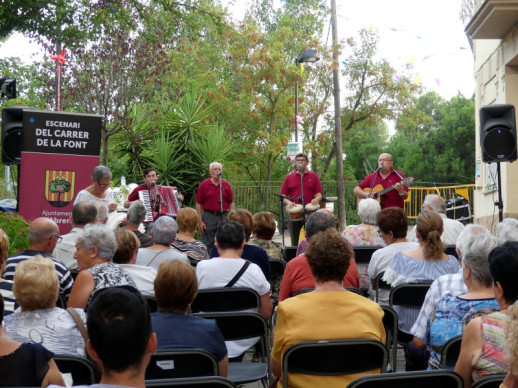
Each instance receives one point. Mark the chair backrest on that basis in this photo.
(205, 382)
(83, 371)
(177, 363)
(421, 379)
(450, 250)
(304, 290)
(223, 299)
(242, 325)
(491, 381)
(333, 357)
(291, 252)
(362, 255)
(277, 268)
(381, 284)
(62, 301)
(409, 294)
(390, 322)
(450, 352)
(151, 302)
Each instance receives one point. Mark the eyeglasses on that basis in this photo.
(103, 185)
(58, 238)
(379, 232)
(384, 160)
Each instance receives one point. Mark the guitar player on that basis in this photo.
(384, 177)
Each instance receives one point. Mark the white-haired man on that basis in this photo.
(215, 198)
(452, 228)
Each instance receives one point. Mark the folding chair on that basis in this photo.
(62, 301)
(177, 363)
(390, 323)
(362, 255)
(450, 352)
(243, 325)
(222, 299)
(408, 295)
(277, 268)
(205, 382)
(381, 285)
(492, 381)
(291, 252)
(333, 358)
(450, 250)
(421, 379)
(83, 371)
(151, 302)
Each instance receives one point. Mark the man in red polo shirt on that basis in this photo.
(292, 190)
(208, 199)
(385, 176)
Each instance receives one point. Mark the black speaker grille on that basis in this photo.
(499, 145)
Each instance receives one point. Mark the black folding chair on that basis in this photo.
(420, 379)
(362, 255)
(151, 302)
(381, 285)
(408, 295)
(450, 250)
(178, 363)
(277, 268)
(333, 358)
(492, 381)
(205, 382)
(83, 371)
(223, 299)
(291, 252)
(390, 323)
(243, 325)
(450, 352)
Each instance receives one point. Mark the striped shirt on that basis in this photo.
(6, 289)
(445, 285)
(65, 279)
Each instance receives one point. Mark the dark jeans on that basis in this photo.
(416, 358)
(295, 227)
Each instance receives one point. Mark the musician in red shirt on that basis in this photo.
(150, 177)
(385, 176)
(208, 199)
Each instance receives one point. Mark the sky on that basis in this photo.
(430, 35)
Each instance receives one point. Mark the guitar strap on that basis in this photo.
(398, 174)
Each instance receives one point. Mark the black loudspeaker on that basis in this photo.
(498, 133)
(12, 128)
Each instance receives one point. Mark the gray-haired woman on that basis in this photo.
(99, 191)
(94, 254)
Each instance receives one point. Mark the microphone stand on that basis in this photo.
(281, 213)
(374, 181)
(302, 198)
(220, 194)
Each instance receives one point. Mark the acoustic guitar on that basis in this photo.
(379, 190)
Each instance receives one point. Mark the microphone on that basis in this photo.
(220, 173)
(379, 168)
(153, 183)
(301, 168)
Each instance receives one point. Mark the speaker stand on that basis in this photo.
(500, 202)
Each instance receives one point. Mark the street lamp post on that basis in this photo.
(306, 56)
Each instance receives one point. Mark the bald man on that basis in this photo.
(43, 237)
(385, 176)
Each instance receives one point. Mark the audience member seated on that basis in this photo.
(425, 263)
(94, 254)
(135, 217)
(446, 285)
(119, 327)
(508, 229)
(366, 233)
(187, 220)
(483, 348)
(298, 276)
(43, 236)
(176, 286)
(36, 288)
(25, 365)
(102, 213)
(222, 271)
(452, 313)
(304, 243)
(392, 224)
(262, 234)
(6, 286)
(321, 314)
(252, 253)
(83, 213)
(452, 228)
(126, 256)
(163, 233)
(511, 335)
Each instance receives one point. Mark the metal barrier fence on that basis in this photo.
(249, 195)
